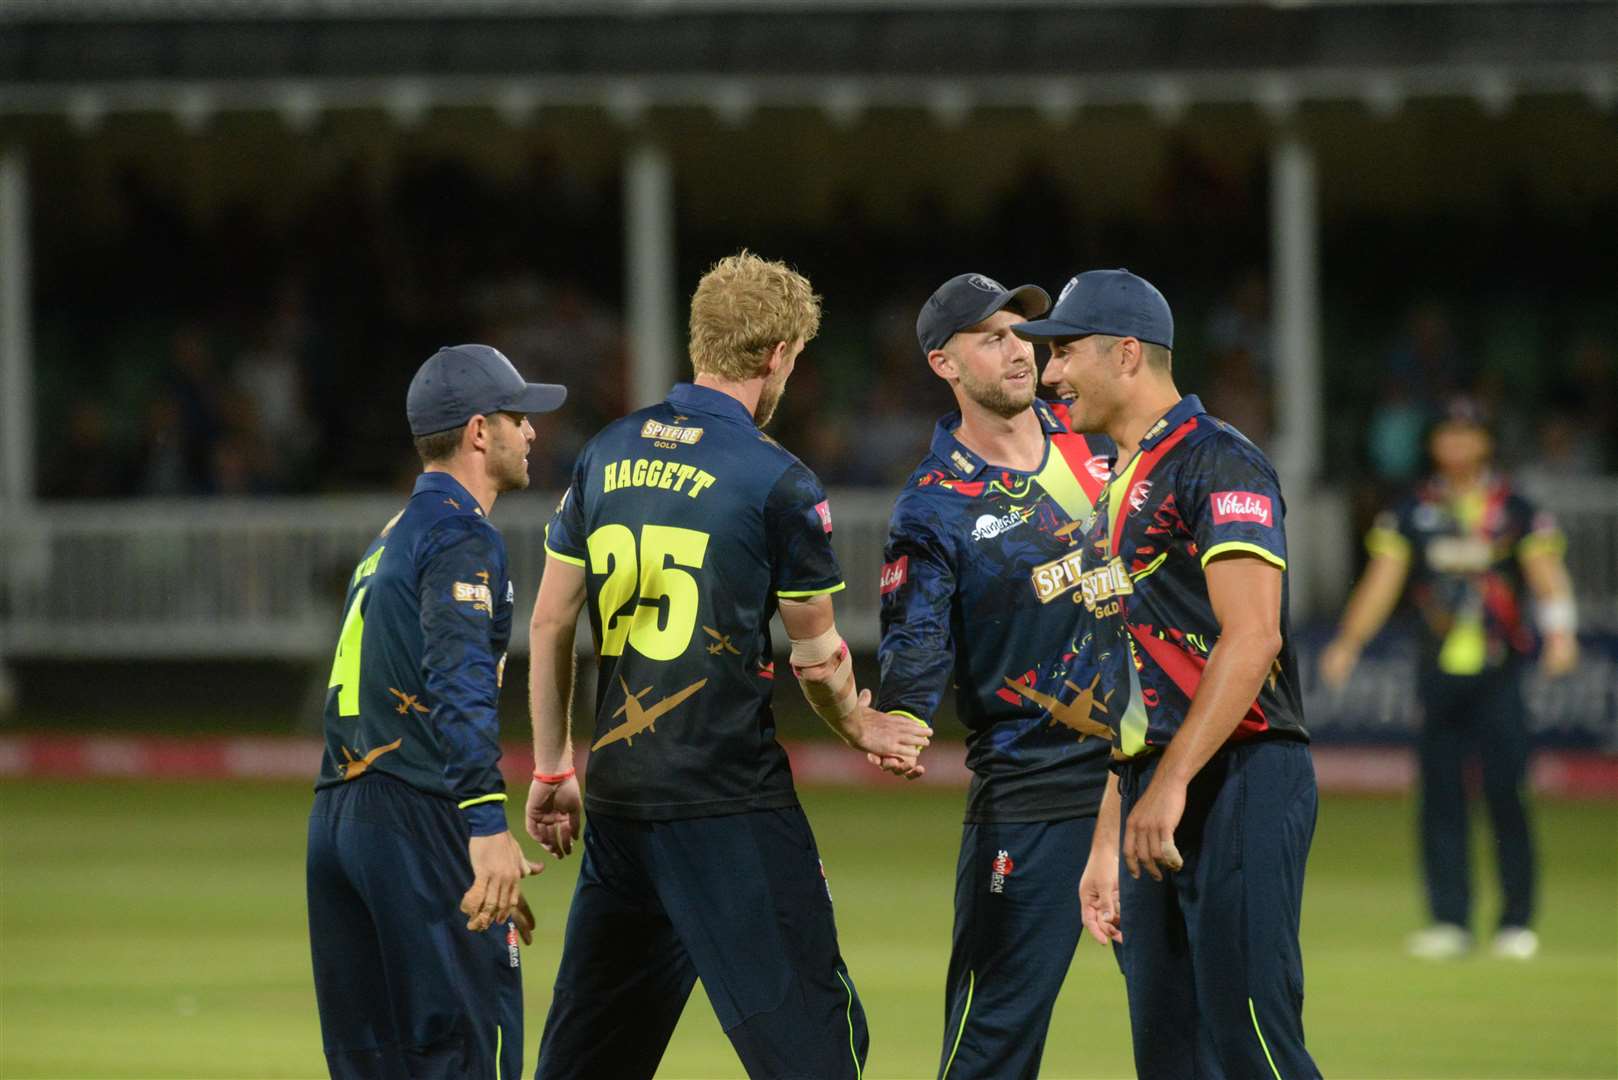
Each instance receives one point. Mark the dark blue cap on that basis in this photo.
(459, 382)
(966, 300)
(1112, 302)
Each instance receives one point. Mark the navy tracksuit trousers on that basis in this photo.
(1210, 954)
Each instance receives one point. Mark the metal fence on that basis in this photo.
(264, 578)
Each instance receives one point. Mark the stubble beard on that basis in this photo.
(769, 398)
(992, 395)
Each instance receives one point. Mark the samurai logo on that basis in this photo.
(999, 870)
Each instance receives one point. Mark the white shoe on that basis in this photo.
(1440, 941)
(1515, 943)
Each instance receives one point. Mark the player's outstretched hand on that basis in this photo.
(1337, 662)
(1560, 654)
(889, 736)
(1149, 831)
(498, 866)
(553, 815)
(898, 766)
(1098, 896)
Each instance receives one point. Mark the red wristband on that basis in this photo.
(554, 778)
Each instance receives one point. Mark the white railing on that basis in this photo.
(220, 578)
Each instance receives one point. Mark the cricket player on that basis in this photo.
(408, 833)
(980, 565)
(1474, 551)
(1184, 570)
(684, 530)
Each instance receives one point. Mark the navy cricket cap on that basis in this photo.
(966, 300)
(1112, 302)
(459, 382)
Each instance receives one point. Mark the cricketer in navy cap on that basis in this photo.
(1112, 302)
(966, 300)
(459, 382)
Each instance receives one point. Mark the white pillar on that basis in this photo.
(649, 291)
(1314, 516)
(1295, 292)
(16, 353)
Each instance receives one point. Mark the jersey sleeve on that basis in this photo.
(564, 536)
(461, 564)
(797, 522)
(1539, 530)
(917, 651)
(1230, 497)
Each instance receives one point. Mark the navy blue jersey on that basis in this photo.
(691, 523)
(973, 584)
(1465, 576)
(1197, 488)
(421, 655)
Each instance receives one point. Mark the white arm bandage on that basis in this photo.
(1558, 616)
(833, 696)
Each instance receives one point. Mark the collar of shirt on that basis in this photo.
(693, 398)
(1184, 409)
(947, 448)
(445, 484)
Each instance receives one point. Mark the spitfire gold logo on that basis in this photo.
(478, 596)
(1056, 577)
(669, 433)
(642, 718)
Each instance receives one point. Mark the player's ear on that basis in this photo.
(1129, 356)
(476, 436)
(943, 364)
(778, 358)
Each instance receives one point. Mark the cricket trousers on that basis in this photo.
(405, 990)
(1210, 953)
(740, 901)
(1486, 712)
(1017, 921)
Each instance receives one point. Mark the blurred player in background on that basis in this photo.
(977, 583)
(1184, 571)
(1472, 549)
(409, 817)
(686, 528)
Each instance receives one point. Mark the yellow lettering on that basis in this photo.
(653, 471)
(669, 469)
(609, 477)
(704, 480)
(686, 472)
(637, 475)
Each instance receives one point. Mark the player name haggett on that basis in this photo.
(669, 475)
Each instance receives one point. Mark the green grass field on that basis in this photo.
(158, 931)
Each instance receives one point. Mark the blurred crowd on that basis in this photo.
(180, 356)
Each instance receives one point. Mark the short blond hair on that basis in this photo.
(743, 307)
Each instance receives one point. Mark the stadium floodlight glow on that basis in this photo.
(1168, 101)
(1494, 93)
(1058, 101)
(734, 103)
(194, 108)
(1384, 96)
(516, 105)
(626, 103)
(407, 103)
(949, 104)
(299, 107)
(85, 111)
(844, 103)
(1277, 97)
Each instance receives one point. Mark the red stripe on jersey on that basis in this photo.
(1143, 469)
(1077, 452)
(1185, 669)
